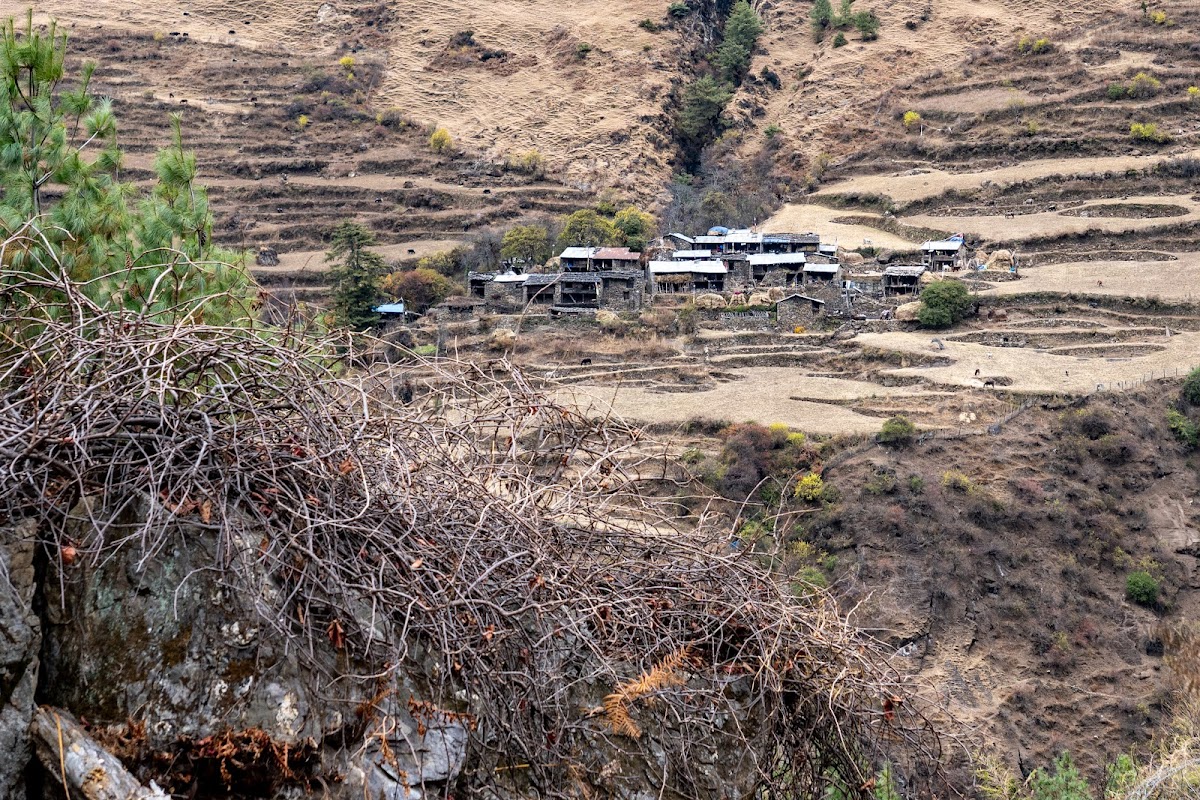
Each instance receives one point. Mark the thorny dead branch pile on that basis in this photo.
(482, 536)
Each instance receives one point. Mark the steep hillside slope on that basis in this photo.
(997, 566)
(592, 85)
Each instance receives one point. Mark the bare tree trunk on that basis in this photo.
(84, 768)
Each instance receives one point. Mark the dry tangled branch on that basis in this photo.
(504, 547)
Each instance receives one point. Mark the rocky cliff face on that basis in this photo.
(20, 639)
(162, 641)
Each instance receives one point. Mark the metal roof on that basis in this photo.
(681, 237)
(390, 308)
(802, 297)
(745, 236)
(709, 240)
(806, 238)
(904, 271)
(691, 255)
(579, 252)
(509, 277)
(769, 259)
(953, 245)
(679, 267)
(830, 269)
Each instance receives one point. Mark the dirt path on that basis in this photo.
(1170, 280)
(1033, 370)
(909, 187)
(795, 218)
(1056, 223)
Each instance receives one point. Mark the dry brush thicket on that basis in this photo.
(498, 545)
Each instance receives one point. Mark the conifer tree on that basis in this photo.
(60, 179)
(355, 276)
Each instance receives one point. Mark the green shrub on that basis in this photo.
(883, 481)
(1191, 387)
(1116, 91)
(440, 141)
(916, 484)
(943, 303)
(957, 482)
(649, 25)
(1148, 132)
(692, 456)
(812, 577)
(911, 119)
(1142, 588)
(839, 40)
(772, 131)
(679, 10)
(1029, 46)
(810, 488)
(1184, 429)
(1144, 85)
(897, 430)
(425, 350)
(582, 49)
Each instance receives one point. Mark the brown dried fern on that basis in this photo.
(663, 675)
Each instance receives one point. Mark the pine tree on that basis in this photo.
(741, 33)
(86, 229)
(821, 17)
(355, 276)
(703, 103)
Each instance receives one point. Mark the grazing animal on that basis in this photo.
(938, 343)
(989, 382)
(1099, 283)
(585, 362)
(976, 373)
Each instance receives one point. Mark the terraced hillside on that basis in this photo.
(279, 183)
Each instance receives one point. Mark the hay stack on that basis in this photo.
(908, 312)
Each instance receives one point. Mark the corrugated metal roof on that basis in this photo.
(945, 244)
(709, 240)
(802, 297)
(904, 270)
(390, 308)
(743, 237)
(681, 237)
(680, 267)
(830, 269)
(774, 259)
(692, 255)
(579, 252)
(509, 277)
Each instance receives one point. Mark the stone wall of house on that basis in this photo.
(504, 296)
(612, 295)
(756, 320)
(796, 313)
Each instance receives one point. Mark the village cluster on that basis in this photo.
(737, 271)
